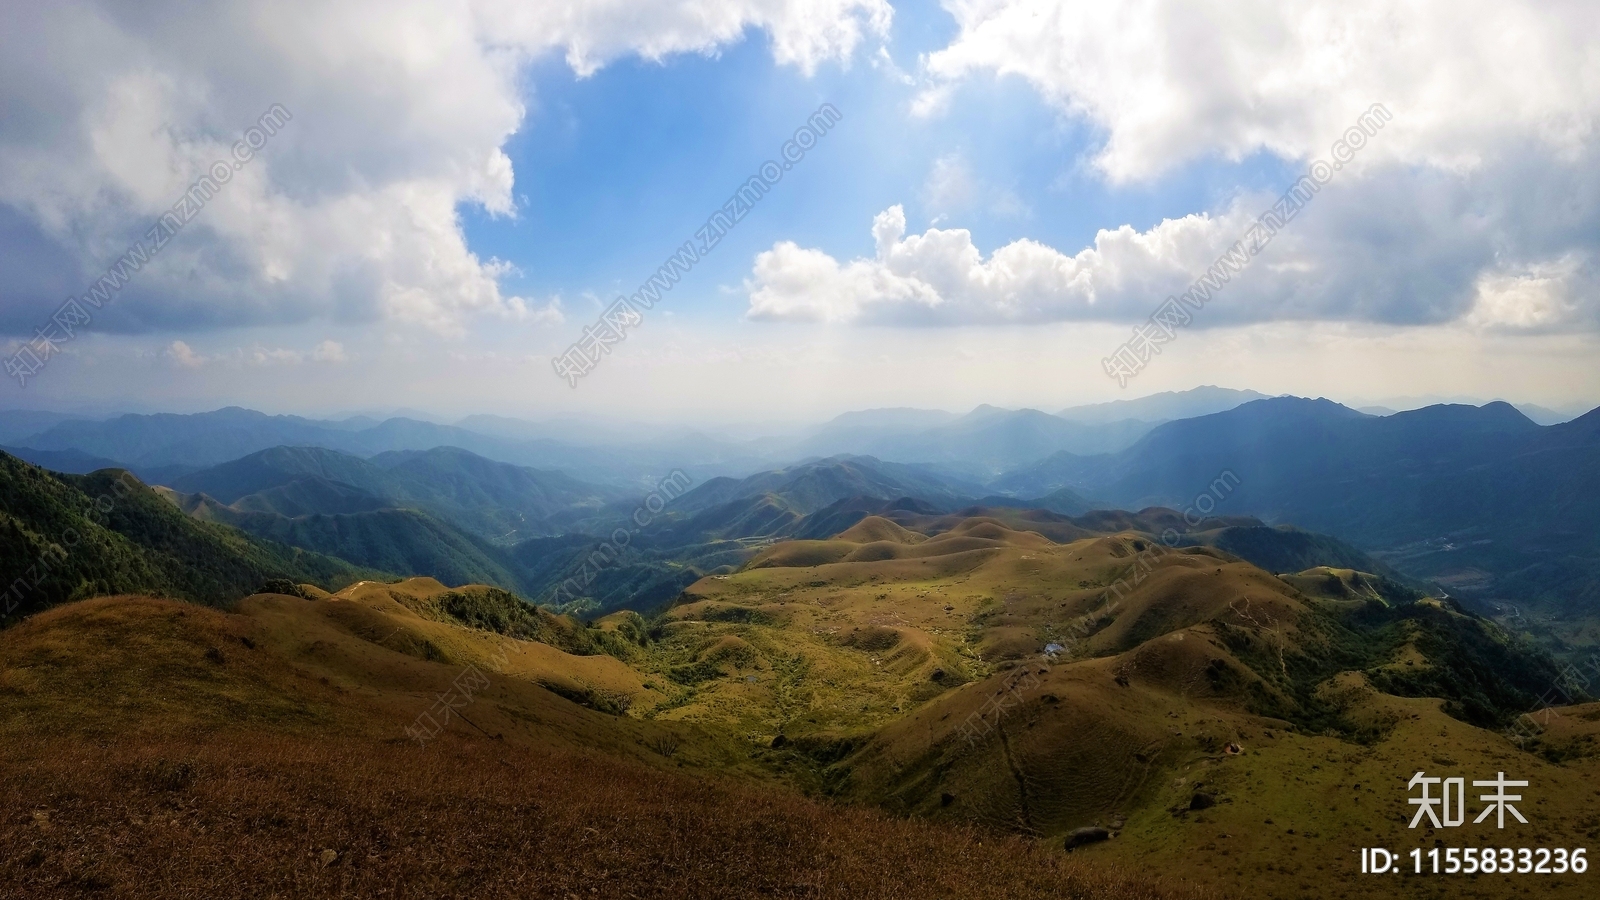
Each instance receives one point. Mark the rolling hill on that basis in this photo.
(972, 670)
(1478, 498)
(1013, 671)
(427, 513)
(67, 537)
(270, 750)
(71, 462)
(16, 424)
(497, 501)
(808, 487)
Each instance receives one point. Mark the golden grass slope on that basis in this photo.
(157, 749)
(854, 667)
(132, 666)
(904, 648)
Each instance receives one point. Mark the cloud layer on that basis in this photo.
(1170, 80)
(400, 109)
(1477, 203)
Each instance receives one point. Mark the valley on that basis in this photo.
(861, 650)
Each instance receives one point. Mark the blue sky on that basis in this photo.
(616, 169)
(462, 186)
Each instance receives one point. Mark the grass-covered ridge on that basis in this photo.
(67, 537)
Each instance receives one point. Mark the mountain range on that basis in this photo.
(1239, 630)
(1481, 500)
(979, 444)
(164, 447)
(498, 501)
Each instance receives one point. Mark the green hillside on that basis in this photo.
(392, 540)
(496, 501)
(66, 537)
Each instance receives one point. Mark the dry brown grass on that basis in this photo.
(251, 816)
(139, 763)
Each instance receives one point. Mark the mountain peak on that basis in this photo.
(1164, 406)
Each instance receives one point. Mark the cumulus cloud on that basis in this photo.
(941, 277)
(400, 110)
(1170, 80)
(1388, 249)
(804, 33)
(328, 352)
(1477, 202)
(183, 355)
(1536, 297)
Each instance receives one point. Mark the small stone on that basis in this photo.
(1202, 801)
(329, 857)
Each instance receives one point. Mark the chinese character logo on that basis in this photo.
(1449, 809)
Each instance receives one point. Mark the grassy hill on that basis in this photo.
(1003, 678)
(66, 537)
(861, 664)
(389, 540)
(156, 749)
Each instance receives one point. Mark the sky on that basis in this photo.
(436, 199)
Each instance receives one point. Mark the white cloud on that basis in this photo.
(183, 355)
(1477, 202)
(329, 351)
(950, 185)
(1171, 80)
(941, 277)
(804, 33)
(179, 353)
(1391, 249)
(263, 356)
(952, 188)
(1535, 297)
(400, 110)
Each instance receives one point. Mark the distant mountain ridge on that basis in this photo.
(982, 443)
(173, 443)
(71, 462)
(1481, 498)
(17, 424)
(1165, 406)
(1421, 485)
(496, 500)
(810, 486)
